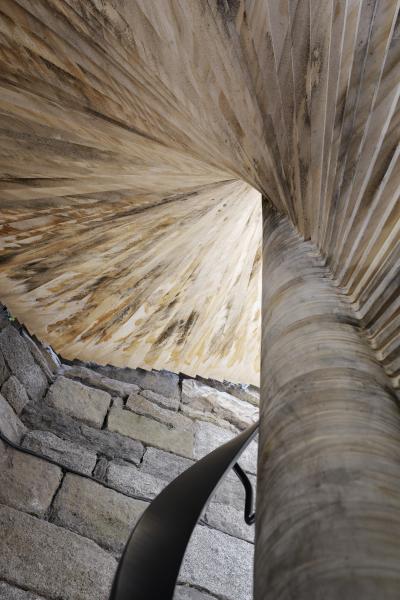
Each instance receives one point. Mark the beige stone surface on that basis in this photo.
(80, 401)
(151, 432)
(96, 512)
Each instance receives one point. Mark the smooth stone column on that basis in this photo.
(328, 500)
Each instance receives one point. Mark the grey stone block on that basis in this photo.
(52, 561)
(230, 491)
(9, 592)
(208, 436)
(10, 425)
(4, 372)
(100, 470)
(151, 432)
(172, 403)
(87, 404)
(68, 454)
(38, 356)
(97, 380)
(96, 512)
(162, 382)
(132, 481)
(26, 482)
(219, 563)
(112, 445)
(229, 520)
(209, 400)
(21, 363)
(141, 406)
(185, 592)
(15, 394)
(243, 391)
(163, 465)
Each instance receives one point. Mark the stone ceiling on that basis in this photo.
(136, 138)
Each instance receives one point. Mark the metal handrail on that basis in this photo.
(150, 564)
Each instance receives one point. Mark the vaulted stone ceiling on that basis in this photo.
(136, 138)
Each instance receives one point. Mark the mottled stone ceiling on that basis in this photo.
(136, 138)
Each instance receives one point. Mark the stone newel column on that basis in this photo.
(328, 506)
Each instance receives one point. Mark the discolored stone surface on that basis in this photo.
(147, 408)
(203, 398)
(96, 512)
(68, 454)
(150, 432)
(4, 373)
(26, 482)
(226, 564)
(79, 401)
(161, 382)
(10, 424)
(171, 402)
(21, 363)
(52, 561)
(15, 394)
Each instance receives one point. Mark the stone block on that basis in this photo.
(230, 491)
(112, 445)
(208, 436)
(38, 356)
(172, 403)
(26, 482)
(163, 465)
(219, 563)
(9, 592)
(10, 425)
(185, 592)
(68, 454)
(229, 520)
(96, 512)
(151, 432)
(243, 391)
(99, 381)
(4, 372)
(21, 363)
(132, 481)
(141, 406)
(15, 394)
(162, 382)
(207, 399)
(52, 561)
(79, 401)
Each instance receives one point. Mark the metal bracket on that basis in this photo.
(249, 514)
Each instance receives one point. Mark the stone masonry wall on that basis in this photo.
(118, 436)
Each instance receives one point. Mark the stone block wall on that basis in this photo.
(108, 441)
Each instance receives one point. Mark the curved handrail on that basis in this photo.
(150, 564)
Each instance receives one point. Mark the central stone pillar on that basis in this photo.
(328, 499)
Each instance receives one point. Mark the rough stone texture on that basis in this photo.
(112, 445)
(170, 402)
(185, 592)
(164, 465)
(208, 436)
(132, 481)
(150, 432)
(37, 354)
(100, 469)
(26, 482)
(96, 512)
(21, 363)
(52, 561)
(219, 563)
(4, 373)
(243, 391)
(79, 401)
(10, 425)
(9, 592)
(162, 382)
(207, 399)
(97, 380)
(66, 453)
(15, 394)
(148, 408)
(231, 491)
(230, 520)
